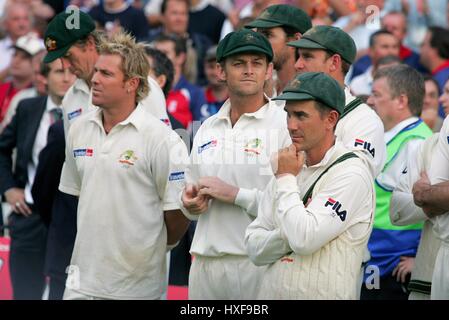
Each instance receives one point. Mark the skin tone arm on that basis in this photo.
(433, 199)
(176, 224)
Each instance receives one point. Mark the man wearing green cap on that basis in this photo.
(230, 166)
(332, 51)
(71, 37)
(282, 23)
(311, 227)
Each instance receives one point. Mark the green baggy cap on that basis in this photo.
(328, 38)
(64, 30)
(241, 41)
(282, 15)
(315, 86)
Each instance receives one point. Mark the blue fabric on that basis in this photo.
(386, 246)
(441, 77)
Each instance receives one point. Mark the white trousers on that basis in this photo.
(224, 278)
(440, 279)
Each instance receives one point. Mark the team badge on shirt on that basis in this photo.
(83, 152)
(254, 146)
(74, 114)
(365, 145)
(127, 158)
(207, 145)
(336, 207)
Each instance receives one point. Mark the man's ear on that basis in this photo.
(269, 73)
(335, 63)
(161, 80)
(297, 36)
(221, 73)
(132, 84)
(90, 44)
(333, 117)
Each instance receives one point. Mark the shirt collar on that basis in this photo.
(51, 105)
(224, 112)
(348, 95)
(136, 118)
(81, 85)
(328, 156)
(390, 134)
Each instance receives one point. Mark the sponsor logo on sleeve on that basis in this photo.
(336, 208)
(74, 114)
(207, 145)
(83, 152)
(176, 176)
(365, 145)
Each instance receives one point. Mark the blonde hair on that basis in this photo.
(134, 60)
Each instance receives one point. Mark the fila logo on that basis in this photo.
(366, 145)
(336, 206)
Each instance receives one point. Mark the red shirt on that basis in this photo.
(178, 105)
(442, 66)
(7, 92)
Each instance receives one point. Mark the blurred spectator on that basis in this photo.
(362, 23)
(396, 23)
(84, 5)
(27, 132)
(250, 10)
(435, 56)
(429, 112)
(320, 11)
(16, 21)
(185, 98)
(38, 88)
(282, 24)
(382, 43)
(420, 15)
(40, 9)
(113, 15)
(175, 21)
(201, 11)
(21, 70)
(444, 98)
(216, 91)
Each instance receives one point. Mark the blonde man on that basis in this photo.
(127, 168)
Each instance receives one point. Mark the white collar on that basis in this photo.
(51, 105)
